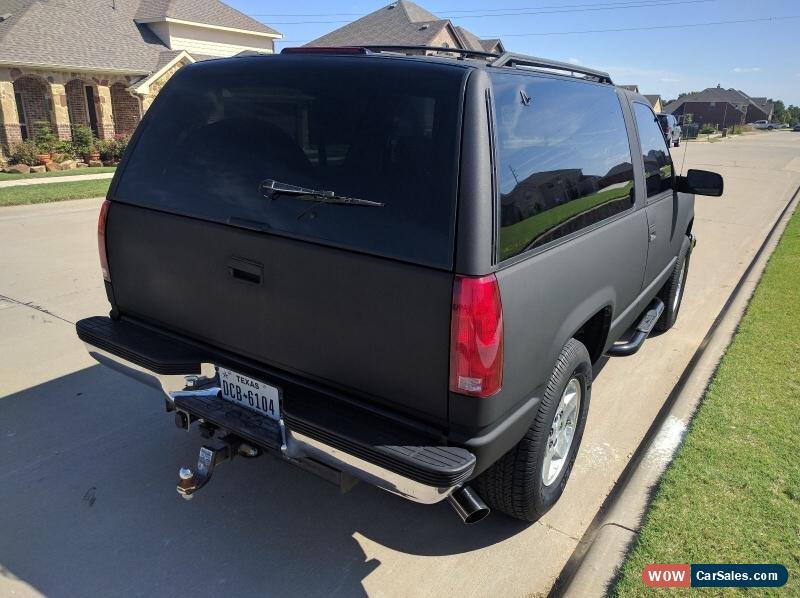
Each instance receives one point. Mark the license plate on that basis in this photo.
(250, 393)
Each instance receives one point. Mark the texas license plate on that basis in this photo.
(250, 393)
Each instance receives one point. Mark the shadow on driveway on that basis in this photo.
(88, 466)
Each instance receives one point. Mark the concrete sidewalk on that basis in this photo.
(89, 459)
(56, 179)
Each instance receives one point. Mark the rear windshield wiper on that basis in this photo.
(271, 189)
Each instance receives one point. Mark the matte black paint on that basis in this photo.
(377, 327)
(376, 330)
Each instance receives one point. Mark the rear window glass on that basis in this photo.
(564, 162)
(382, 130)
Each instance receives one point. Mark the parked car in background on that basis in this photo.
(671, 128)
(763, 124)
(796, 127)
(354, 262)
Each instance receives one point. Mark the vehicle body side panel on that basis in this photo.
(548, 297)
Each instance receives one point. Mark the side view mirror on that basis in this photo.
(700, 182)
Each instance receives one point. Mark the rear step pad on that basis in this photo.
(643, 329)
(147, 348)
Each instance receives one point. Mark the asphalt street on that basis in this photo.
(89, 459)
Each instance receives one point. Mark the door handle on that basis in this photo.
(245, 270)
(652, 231)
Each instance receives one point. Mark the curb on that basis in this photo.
(592, 568)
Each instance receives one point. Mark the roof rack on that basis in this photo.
(511, 59)
(460, 51)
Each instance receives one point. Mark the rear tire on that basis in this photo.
(677, 143)
(672, 292)
(515, 484)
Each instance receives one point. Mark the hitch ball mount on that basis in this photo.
(190, 481)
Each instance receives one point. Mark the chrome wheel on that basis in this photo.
(562, 432)
(679, 290)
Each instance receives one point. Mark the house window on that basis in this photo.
(712, 104)
(23, 122)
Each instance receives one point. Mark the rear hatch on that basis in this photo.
(357, 297)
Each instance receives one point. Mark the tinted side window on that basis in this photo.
(563, 160)
(657, 162)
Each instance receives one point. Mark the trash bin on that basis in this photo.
(725, 132)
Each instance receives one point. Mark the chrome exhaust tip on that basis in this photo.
(468, 505)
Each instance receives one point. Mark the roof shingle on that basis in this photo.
(401, 23)
(96, 35)
(207, 12)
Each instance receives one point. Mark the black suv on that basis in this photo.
(392, 268)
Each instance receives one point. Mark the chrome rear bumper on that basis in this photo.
(296, 446)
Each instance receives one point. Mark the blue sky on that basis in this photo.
(760, 58)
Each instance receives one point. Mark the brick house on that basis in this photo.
(404, 23)
(100, 63)
(721, 107)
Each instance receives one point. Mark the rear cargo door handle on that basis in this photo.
(652, 231)
(245, 270)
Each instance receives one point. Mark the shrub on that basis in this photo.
(122, 145)
(25, 152)
(708, 129)
(111, 150)
(106, 148)
(83, 141)
(65, 149)
(45, 140)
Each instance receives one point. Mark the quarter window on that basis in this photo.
(657, 162)
(563, 159)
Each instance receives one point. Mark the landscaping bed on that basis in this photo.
(29, 194)
(732, 493)
(46, 153)
(13, 176)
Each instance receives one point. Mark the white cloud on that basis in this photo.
(747, 69)
(574, 60)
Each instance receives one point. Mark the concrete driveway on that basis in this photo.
(88, 459)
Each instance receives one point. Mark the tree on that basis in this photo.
(793, 114)
(778, 111)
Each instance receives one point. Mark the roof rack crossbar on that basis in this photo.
(461, 51)
(512, 59)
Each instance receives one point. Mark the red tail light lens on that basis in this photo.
(101, 239)
(476, 341)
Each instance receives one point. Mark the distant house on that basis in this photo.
(655, 103)
(721, 107)
(404, 23)
(100, 63)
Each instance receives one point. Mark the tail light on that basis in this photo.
(101, 239)
(476, 341)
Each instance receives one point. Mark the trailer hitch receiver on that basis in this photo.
(190, 481)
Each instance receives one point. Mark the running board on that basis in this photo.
(643, 329)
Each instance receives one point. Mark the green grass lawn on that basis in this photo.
(7, 176)
(28, 194)
(732, 494)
